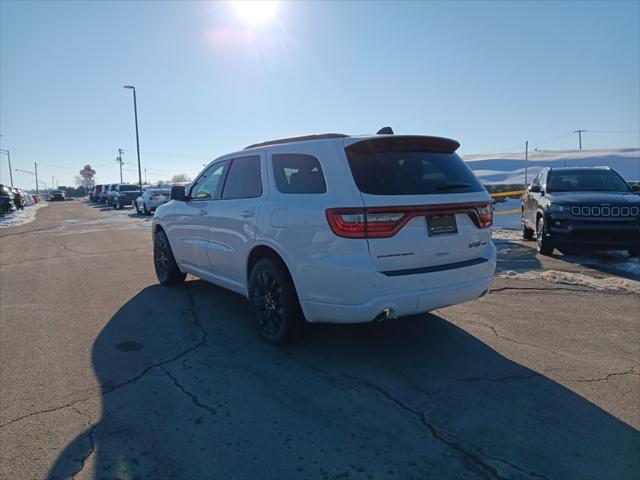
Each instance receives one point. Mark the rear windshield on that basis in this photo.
(389, 172)
(128, 188)
(586, 181)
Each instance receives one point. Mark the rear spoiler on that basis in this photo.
(404, 143)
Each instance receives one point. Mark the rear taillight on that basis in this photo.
(387, 221)
(357, 223)
(485, 216)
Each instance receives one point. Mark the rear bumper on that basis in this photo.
(400, 305)
(403, 295)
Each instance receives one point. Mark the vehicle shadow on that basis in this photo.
(189, 391)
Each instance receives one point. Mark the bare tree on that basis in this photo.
(180, 178)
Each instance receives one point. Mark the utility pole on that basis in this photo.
(135, 112)
(53, 184)
(10, 169)
(579, 132)
(119, 160)
(526, 163)
(36, 165)
(145, 176)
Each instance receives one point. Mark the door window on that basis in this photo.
(244, 180)
(208, 185)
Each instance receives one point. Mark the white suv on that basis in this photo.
(332, 228)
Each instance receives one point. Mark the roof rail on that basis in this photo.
(301, 138)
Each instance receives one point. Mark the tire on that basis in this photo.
(144, 209)
(527, 233)
(164, 262)
(135, 204)
(274, 300)
(545, 247)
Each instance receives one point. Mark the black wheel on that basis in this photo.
(275, 303)
(167, 269)
(135, 204)
(145, 209)
(527, 233)
(545, 247)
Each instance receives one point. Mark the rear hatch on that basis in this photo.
(424, 207)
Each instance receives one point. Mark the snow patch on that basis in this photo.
(21, 217)
(509, 167)
(507, 233)
(577, 279)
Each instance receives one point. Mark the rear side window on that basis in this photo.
(298, 173)
(244, 180)
(384, 168)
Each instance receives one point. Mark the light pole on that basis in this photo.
(135, 113)
(35, 174)
(10, 171)
(526, 163)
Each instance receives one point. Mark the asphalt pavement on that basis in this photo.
(104, 374)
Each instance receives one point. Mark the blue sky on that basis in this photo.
(488, 74)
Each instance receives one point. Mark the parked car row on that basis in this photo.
(120, 195)
(12, 199)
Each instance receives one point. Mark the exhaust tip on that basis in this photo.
(385, 314)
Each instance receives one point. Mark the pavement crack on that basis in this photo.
(608, 376)
(508, 339)
(192, 396)
(468, 451)
(201, 343)
(46, 410)
(498, 379)
(92, 443)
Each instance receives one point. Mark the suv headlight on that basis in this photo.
(555, 208)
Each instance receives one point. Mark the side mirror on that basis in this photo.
(635, 188)
(535, 189)
(178, 193)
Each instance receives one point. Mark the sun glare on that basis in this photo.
(255, 12)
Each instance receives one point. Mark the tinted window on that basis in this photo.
(298, 173)
(244, 179)
(208, 184)
(382, 171)
(127, 188)
(586, 180)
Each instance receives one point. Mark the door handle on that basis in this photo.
(203, 211)
(246, 214)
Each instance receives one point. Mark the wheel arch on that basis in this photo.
(261, 251)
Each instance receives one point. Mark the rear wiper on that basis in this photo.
(452, 186)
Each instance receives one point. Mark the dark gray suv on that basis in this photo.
(590, 208)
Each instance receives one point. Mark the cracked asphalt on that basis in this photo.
(104, 374)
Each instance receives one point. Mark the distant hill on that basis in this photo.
(509, 167)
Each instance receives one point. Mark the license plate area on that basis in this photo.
(441, 225)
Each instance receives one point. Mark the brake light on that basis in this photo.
(357, 223)
(384, 222)
(485, 216)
